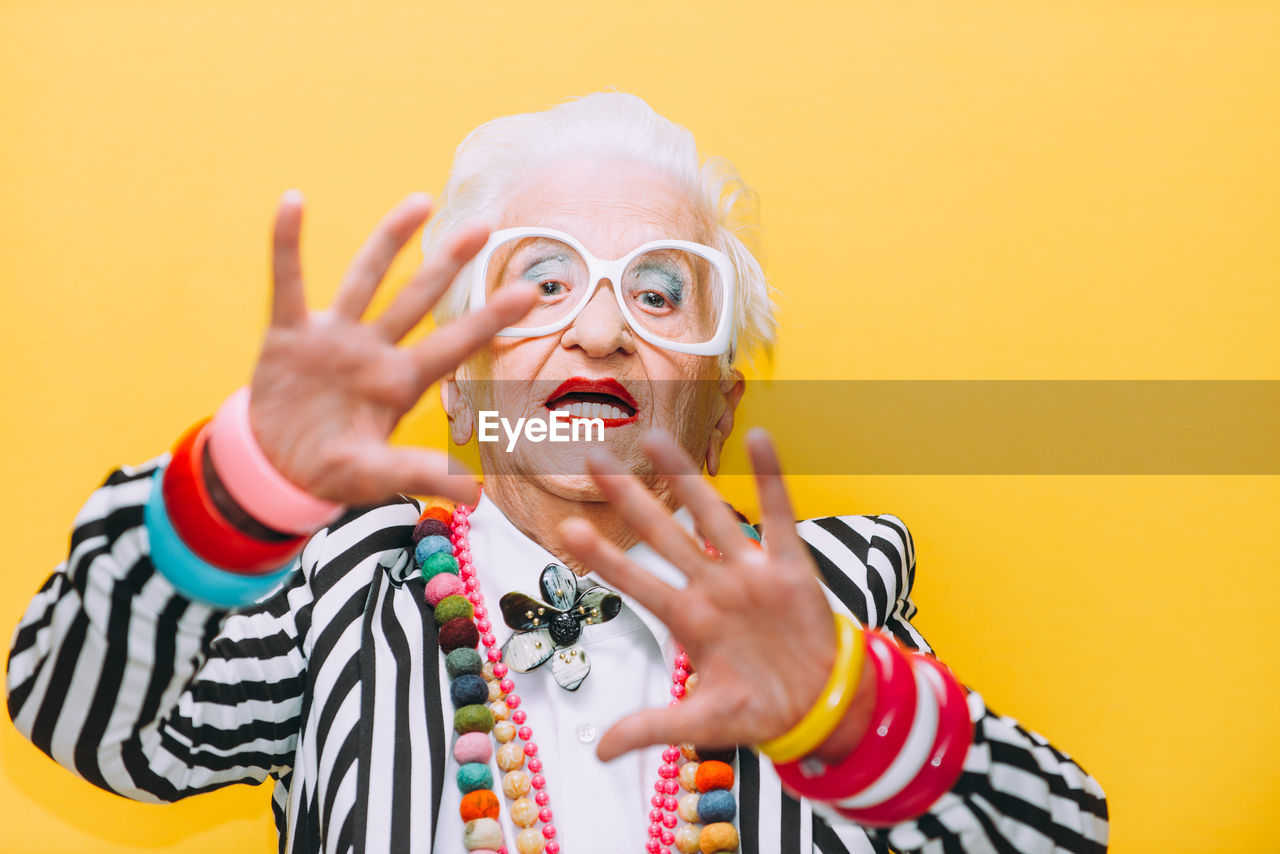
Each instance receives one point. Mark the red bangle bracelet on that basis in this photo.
(202, 527)
(946, 758)
(890, 725)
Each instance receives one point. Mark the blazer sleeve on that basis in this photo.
(144, 693)
(1017, 792)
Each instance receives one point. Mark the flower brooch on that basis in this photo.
(549, 630)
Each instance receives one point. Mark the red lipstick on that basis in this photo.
(605, 391)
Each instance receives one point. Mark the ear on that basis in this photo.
(458, 408)
(732, 387)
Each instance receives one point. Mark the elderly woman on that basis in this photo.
(499, 673)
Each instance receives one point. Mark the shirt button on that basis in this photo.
(587, 733)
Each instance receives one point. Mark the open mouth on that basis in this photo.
(605, 398)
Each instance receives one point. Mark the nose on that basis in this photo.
(600, 329)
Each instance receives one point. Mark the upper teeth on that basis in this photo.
(590, 410)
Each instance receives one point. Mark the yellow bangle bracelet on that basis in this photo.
(827, 712)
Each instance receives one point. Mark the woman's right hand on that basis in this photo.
(329, 387)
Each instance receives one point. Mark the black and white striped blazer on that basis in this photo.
(151, 696)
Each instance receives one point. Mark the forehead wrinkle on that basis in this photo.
(612, 214)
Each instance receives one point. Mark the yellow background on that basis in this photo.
(959, 190)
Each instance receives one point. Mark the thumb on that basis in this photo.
(415, 471)
(692, 720)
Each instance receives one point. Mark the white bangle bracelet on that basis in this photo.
(914, 752)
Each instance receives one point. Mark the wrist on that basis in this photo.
(898, 764)
(202, 526)
(853, 726)
(253, 482)
(222, 501)
(191, 575)
(827, 712)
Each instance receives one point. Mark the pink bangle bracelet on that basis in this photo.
(202, 527)
(890, 725)
(253, 482)
(946, 759)
(911, 758)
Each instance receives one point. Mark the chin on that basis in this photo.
(561, 470)
(571, 487)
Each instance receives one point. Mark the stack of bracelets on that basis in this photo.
(224, 526)
(912, 751)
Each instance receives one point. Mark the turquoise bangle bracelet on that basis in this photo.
(193, 577)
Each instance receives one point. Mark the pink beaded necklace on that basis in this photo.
(517, 749)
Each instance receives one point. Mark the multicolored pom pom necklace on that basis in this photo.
(486, 703)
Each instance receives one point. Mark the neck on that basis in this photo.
(538, 513)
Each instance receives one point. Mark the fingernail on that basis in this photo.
(417, 197)
(600, 458)
(291, 197)
(567, 526)
(655, 435)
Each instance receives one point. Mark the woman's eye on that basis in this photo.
(551, 288)
(653, 299)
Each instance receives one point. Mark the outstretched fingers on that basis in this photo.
(389, 469)
(776, 513)
(642, 511)
(710, 513)
(431, 280)
(442, 351)
(585, 544)
(371, 263)
(288, 294)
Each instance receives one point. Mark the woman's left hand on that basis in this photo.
(754, 622)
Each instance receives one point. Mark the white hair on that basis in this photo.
(495, 157)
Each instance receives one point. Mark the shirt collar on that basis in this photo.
(507, 560)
